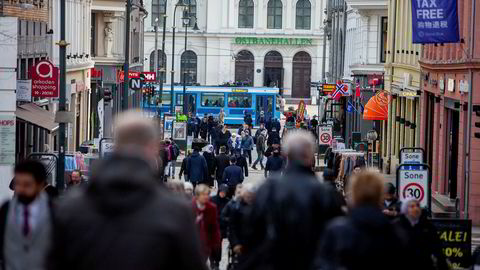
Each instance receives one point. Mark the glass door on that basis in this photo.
(263, 104)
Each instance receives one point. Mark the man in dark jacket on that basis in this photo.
(197, 168)
(109, 225)
(222, 161)
(204, 128)
(289, 211)
(391, 205)
(260, 146)
(273, 137)
(275, 163)
(242, 161)
(232, 176)
(223, 137)
(209, 156)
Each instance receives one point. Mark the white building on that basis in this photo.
(366, 39)
(258, 42)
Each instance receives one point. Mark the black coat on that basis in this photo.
(273, 138)
(422, 243)
(275, 163)
(221, 203)
(197, 168)
(365, 239)
(222, 161)
(242, 163)
(287, 219)
(223, 138)
(210, 158)
(109, 224)
(203, 130)
(235, 226)
(232, 176)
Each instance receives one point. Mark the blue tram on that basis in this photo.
(211, 99)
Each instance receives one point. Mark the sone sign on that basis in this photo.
(414, 183)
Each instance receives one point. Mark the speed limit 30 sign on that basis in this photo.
(414, 183)
(325, 135)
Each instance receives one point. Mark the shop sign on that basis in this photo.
(149, 76)
(131, 74)
(44, 80)
(96, 73)
(408, 94)
(435, 21)
(24, 90)
(7, 139)
(451, 85)
(463, 85)
(272, 41)
(456, 240)
(328, 88)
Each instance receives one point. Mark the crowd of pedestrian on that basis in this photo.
(128, 217)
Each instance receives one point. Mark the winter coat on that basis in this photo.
(248, 119)
(220, 203)
(222, 161)
(210, 159)
(203, 130)
(242, 163)
(238, 212)
(183, 168)
(365, 239)
(197, 168)
(273, 138)
(260, 144)
(422, 243)
(207, 227)
(287, 219)
(232, 176)
(275, 163)
(247, 143)
(223, 138)
(104, 227)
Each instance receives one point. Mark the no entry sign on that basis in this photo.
(325, 135)
(44, 80)
(414, 183)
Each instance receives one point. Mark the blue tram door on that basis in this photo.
(191, 103)
(263, 104)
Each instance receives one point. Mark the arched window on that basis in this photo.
(273, 70)
(274, 14)
(158, 10)
(189, 67)
(304, 14)
(244, 68)
(162, 64)
(245, 14)
(302, 71)
(192, 11)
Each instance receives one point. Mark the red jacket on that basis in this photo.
(208, 227)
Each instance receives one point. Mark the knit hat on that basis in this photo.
(223, 188)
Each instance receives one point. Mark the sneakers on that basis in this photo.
(255, 168)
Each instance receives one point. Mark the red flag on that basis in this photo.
(357, 90)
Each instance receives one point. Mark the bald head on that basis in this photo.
(136, 133)
(299, 145)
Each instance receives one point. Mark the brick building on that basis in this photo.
(445, 79)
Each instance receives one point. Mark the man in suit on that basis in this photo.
(222, 161)
(25, 225)
(232, 176)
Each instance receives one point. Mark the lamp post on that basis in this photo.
(180, 3)
(186, 22)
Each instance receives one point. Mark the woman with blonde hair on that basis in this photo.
(365, 238)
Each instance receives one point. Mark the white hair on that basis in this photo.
(188, 186)
(297, 142)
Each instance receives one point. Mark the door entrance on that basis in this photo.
(263, 104)
(273, 70)
(452, 152)
(302, 69)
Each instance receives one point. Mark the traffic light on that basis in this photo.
(476, 109)
(107, 94)
(142, 77)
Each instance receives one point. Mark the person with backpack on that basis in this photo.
(26, 220)
(175, 152)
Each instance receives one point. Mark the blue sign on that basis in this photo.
(435, 21)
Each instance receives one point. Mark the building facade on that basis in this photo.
(402, 81)
(253, 42)
(447, 72)
(365, 56)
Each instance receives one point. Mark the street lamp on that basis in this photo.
(187, 18)
(180, 3)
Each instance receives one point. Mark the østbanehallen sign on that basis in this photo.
(435, 21)
(44, 80)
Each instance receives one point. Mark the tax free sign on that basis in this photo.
(435, 21)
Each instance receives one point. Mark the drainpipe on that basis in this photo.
(467, 147)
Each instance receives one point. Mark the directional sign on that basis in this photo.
(414, 183)
(135, 84)
(325, 135)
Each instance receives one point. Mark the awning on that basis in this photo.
(37, 116)
(377, 107)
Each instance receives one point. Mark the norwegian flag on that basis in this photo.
(339, 92)
(358, 91)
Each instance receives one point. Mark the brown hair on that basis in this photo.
(366, 188)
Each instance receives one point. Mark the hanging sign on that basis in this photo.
(7, 139)
(24, 90)
(44, 80)
(435, 21)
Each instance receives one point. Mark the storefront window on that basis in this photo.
(239, 100)
(213, 100)
(383, 40)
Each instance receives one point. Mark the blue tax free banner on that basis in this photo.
(435, 21)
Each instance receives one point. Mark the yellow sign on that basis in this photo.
(239, 90)
(329, 87)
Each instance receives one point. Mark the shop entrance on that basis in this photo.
(452, 152)
(273, 70)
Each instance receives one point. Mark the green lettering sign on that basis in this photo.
(272, 41)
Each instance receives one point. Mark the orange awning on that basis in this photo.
(377, 107)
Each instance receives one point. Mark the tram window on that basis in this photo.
(166, 99)
(239, 100)
(179, 99)
(213, 100)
